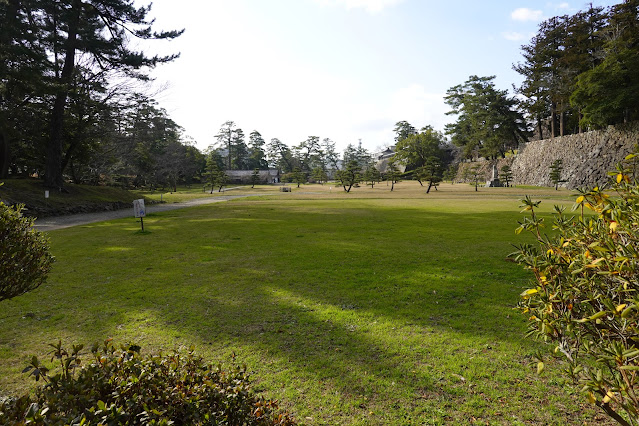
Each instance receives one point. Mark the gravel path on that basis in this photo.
(59, 222)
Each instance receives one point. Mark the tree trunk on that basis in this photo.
(53, 171)
(553, 118)
(5, 40)
(430, 184)
(5, 154)
(540, 128)
(562, 117)
(580, 116)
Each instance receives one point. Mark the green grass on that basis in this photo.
(364, 308)
(194, 192)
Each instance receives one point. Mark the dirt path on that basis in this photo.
(59, 222)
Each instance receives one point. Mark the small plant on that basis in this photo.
(25, 260)
(372, 175)
(450, 173)
(299, 177)
(392, 174)
(120, 386)
(255, 178)
(555, 173)
(475, 176)
(585, 298)
(319, 175)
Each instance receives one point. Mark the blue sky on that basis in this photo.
(343, 69)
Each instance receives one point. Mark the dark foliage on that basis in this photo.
(25, 260)
(121, 386)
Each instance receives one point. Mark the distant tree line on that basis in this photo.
(312, 158)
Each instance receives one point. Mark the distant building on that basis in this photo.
(244, 176)
(387, 153)
(382, 159)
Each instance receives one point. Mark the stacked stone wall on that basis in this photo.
(586, 157)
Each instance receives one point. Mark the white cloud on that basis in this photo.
(562, 6)
(516, 36)
(524, 14)
(371, 6)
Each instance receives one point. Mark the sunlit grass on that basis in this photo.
(193, 192)
(364, 308)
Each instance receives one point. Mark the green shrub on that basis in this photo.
(120, 386)
(585, 299)
(25, 260)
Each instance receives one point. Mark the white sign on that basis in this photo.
(138, 208)
(46, 193)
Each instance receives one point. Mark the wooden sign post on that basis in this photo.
(138, 209)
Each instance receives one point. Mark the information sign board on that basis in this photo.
(138, 208)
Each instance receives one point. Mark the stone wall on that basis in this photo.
(587, 157)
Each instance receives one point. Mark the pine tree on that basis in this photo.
(506, 175)
(556, 168)
(99, 31)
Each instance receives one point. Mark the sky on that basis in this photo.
(339, 69)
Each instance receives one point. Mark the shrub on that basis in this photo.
(120, 386)
(25, 260)
(584, 298)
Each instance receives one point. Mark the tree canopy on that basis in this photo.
(489, 121)
(61, 61)
(581, 70)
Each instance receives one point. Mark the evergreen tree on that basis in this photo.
(299, 176)
(489, 121)
(255, 177)
(279, 156)
(506, 175)
(257, 156)
(556, 168)
(319, 175)
(403, 129)
(98, 33)
(431, 171)
(231, 138)
(416, 150)
(608, 93)
(392, 174)
(372, 175)
(330, 157)
(349, 176)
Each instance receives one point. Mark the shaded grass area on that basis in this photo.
(75, 199)
(361, 311)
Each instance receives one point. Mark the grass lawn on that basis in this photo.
(194, 192)
(364, 308)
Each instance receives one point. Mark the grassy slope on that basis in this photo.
(360, 308)
(77, 198)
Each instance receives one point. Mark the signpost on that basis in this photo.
(138, 209)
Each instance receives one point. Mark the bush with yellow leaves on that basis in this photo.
(585, 298)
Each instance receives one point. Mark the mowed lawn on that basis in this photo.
(364, 308)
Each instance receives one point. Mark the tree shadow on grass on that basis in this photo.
(401, 310)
